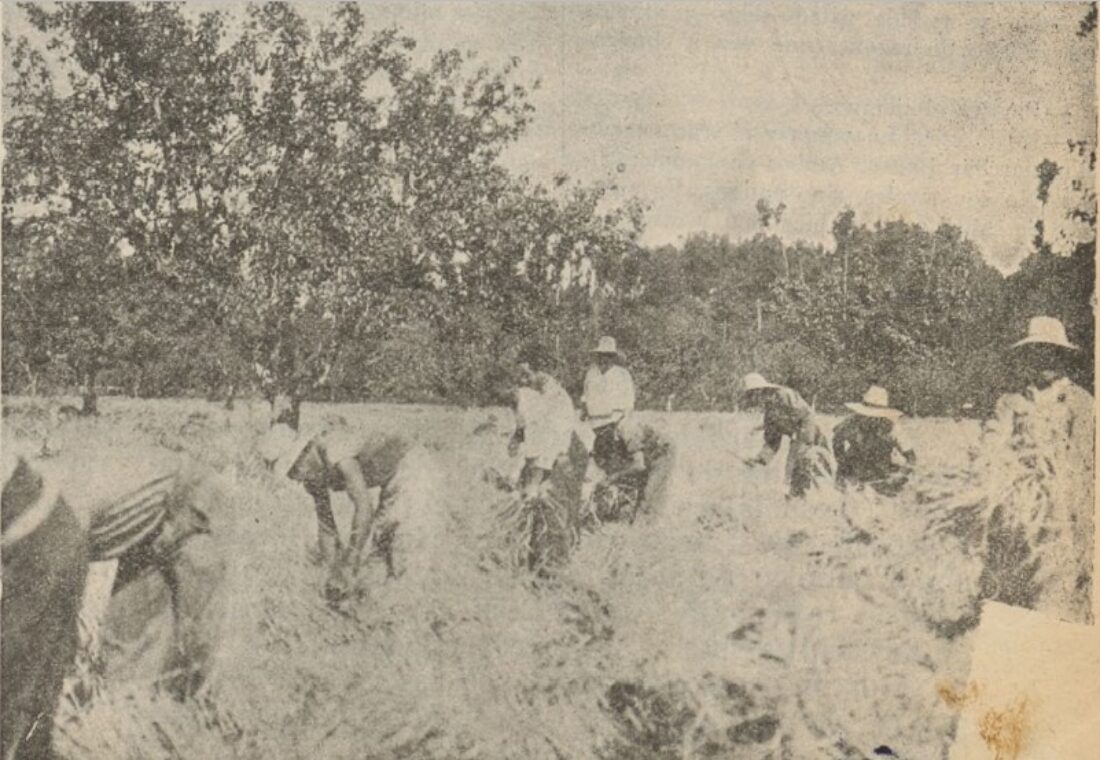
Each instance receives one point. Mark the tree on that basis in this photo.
(107, 179)
(297, 189)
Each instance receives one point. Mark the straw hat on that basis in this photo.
(754, 381)
(280, 447)
(606, 345)
(1046, 330)
(876, 403)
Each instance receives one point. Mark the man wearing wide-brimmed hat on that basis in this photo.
(867, 447)
(607, 399)
(810, 460)
(1037, 464)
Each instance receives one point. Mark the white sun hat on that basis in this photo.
(280, 447)
(754, 381)
(1046, 330)
(876, 403)
(606, 345)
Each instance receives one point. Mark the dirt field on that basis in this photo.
(736, 624)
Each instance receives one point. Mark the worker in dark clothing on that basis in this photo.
(652, 456)
(868, 449)
(810, 461)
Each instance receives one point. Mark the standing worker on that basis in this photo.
(1037, 460)
(868, 447)
(809, 462)
(608, 398)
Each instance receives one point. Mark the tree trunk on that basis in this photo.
(90, 399)
(32, 379)
(844, 285)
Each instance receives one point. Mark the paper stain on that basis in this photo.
(1005, 731)
(957, 699)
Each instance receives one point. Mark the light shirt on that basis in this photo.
(1037, 466)
(608, 392)
(378, 455)
(547, 419)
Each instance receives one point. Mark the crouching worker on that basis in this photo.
(649, 470)
(810, 462)
(161, 530)
(869, 451)
(392, 484)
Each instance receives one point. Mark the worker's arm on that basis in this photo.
(903, 449)
(363, 499)
(586, 394)
(773, 437)
(637, 465)
(515, 441)
(521, 402)
(842, 438)
(533, 479)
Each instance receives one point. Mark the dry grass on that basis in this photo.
(736, 624)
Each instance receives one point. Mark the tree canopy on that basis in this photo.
(199, 201)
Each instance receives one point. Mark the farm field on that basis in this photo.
(736, 624)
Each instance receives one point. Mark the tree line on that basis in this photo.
(200, 204)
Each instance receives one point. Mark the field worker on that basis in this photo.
(545, 421)
(45, 561)
(153, 520)
(810, 461)
(392, 484)
(652, 456)
(607, 399)
(867, 446)
(555, 447)
(1037, 460)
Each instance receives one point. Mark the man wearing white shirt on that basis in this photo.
(545, 424)
(608, 398)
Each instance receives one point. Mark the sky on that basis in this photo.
(926, 112)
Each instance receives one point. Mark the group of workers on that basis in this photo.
(617, 446)
(603, 442)
(866, 450)
(565, 453)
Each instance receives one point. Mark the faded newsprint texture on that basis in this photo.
(470, 380)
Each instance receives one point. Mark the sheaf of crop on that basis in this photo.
(734, 624)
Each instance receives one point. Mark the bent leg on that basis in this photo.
(195, 575)
(328, 537)
(344, 569)
(365, 502)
